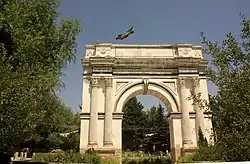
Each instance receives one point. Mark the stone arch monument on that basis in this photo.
(114, 73)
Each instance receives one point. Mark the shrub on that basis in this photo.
(205, 152)
(160, 160)
(185, 159)
(110, 161)
(67, 158)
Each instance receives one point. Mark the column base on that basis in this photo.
(188, 151)
(92, 144)
(107, 152)
(187, 143)
(108, 144)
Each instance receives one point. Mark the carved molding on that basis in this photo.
(95, 81)
(109, 81)
(145, 86)
(181, 81)
(170, 85)
(185, 82)
(90, 52)
(102, 51)
(198, 53)
(120, 85)
(196, 81)
(184, 52)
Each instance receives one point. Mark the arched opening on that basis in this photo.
(145, 128)
(147, 132)
(153, 89)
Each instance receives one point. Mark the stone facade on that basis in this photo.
(114, 73)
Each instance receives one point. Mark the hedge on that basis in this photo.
(66, 158)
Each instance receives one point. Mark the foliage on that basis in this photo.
(37, 44)
(159, 127)
(151, 160)
(202, 141)
(205, 152)
(110, 161)
(71, 142)
(133, 124)
(145, 129)
(231, 105)
(57, 123)
(66, 158)
(185, 159)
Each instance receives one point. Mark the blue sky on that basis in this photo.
(155, 21)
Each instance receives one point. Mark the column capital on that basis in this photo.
(182, 81)
(109, 81)
(185, 81)
(95, 81)
(196, 81)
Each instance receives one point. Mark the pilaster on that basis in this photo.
(199, 119)
(183, 83)
(93, 122)
(108, 113)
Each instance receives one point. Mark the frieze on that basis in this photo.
(184, 52)
(140, 72)
(149, 64)
(103, 51)
(102, 69)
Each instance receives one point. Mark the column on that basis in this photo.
(184, 94)
(199, 119)
(93, 122)
(108, 113)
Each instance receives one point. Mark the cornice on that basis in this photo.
(143, 46)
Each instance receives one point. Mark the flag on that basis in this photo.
(126, 34)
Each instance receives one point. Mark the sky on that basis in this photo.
(155, 22)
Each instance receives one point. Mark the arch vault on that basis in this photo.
(114, 73)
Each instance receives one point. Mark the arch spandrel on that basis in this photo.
(155, 89)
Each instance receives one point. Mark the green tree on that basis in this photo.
(133, 124)
(231, 75)
(56, 121)
(159, 130)
(150, 131)
(202, 141)
(38, 44)
(163, 132)
(72, 141)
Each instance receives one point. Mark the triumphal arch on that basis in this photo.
(114, 73)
